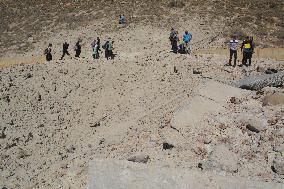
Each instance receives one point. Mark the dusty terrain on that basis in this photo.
(177, 110)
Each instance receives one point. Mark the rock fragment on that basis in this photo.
(278, 164)
(222, 159)
(139, 158)
(274, 99)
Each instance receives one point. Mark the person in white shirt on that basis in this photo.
(233, 44)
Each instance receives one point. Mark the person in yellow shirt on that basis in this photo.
(247, 48)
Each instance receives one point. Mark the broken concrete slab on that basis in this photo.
(257, 82)
(219, 92)
(211, 98)
(113, 174)
(194, 112)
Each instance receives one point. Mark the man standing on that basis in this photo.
(77, 49)
(247, 48)
(175, 41)
(47, 52)
(65, 50)
(233, 44)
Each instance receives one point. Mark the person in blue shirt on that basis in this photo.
(186, 37)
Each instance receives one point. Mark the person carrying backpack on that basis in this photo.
(47, 52)
(77, 49)
(65, 50)
(110, 48)
(105, 47)
(247, 48)
(233, 44)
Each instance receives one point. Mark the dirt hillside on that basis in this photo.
(181, 111)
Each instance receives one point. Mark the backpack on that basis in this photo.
(109, 46)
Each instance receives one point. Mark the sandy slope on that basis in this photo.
(57, 116)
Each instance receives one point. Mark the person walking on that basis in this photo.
(77, 49)
(233, 45)
(247, 49)
(105, 47)
(110, 50)
(95, 51)
(99, 43)
(47, 52)
(175, 41)
(122, 19)
(65, 50)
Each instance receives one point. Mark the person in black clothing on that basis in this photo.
(99, 43)
(65, 50)
(247, 48)
(175, 43)
(47, 53)
(99, 46)
(77, 49)
(105, 47)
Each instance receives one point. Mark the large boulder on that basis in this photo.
(278, 164)
(258, 82)
(274, 99)
(211, 98)
(113, 174)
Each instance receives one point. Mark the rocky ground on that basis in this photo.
(147, 105)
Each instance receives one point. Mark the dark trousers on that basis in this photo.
(174, 47)
(64, 53)
(96, 56)
(106, 54)
(233, 53)
(110, 54)
(246, 57)
(77, 53)
(48, 57)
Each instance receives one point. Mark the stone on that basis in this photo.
(278, 164)
(22, 154)
(253, 123)
(235, 100)
(140, 158)
(274, 99)
(172, 136)
(167, 146)
(271, 71)
(279, 148)
(196, 71)
(257, 82)
(222, 159)
(113, 174)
